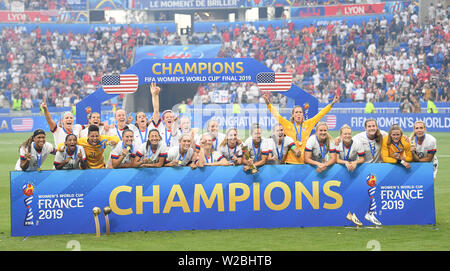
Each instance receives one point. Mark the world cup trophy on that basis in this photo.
(252, 167)
(96, 211)
(106, 212)
(371, 181)
(28, 190)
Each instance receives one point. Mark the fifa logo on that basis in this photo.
(371, 181)
(28, 190)
(306, 110)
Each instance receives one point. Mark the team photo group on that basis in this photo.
(167, 140)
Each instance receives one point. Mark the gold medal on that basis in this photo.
(180, 162)
(39, 169)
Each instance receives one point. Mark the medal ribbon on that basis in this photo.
(143, 139)
(299, 137)
(372, 149)
(280, 153)
(38, 156)
(349, 150)
(167, 139)
(254, 151)
(322, 150)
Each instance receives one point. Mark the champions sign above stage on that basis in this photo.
(202, 70)
(159, 199)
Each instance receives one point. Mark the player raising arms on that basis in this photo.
(423, 146)
(72, 156)
(320, 150)
(33, 152)
(166, 128)
(395, 149)
(67, 125)
(297, 127)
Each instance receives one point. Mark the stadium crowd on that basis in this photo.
(373, 61)
(377, 60)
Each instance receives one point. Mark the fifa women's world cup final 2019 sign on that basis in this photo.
(190, 71)
(223, 197)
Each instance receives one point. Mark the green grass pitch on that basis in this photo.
(388, 238)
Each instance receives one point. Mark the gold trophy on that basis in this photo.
(106, 211)
(253, 168)
(96, 211)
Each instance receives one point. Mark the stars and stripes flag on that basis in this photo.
(120, 84)
(331, 121)
(22, 124)
(270, 81)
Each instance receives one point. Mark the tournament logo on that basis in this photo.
(371, 181)
(28, 191)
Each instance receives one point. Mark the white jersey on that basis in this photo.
(140, 137)
(37, 159)
(215, 156)
(167, 138)
(59, 133)
(116, 132)
(319, 153)
(428, 146)
(228, 153)
(117, 151)
(174, 155)
(371, 148)
(74, 162)
(257, 153)
(153, 157)
(352, 153)
(216, 141)
(280, 150)
(84, 132)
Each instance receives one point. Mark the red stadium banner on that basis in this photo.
(26, 16)
(338, 10)
(361, 9)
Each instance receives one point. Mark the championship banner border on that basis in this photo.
(61, 202)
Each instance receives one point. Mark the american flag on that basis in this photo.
(117, 84)
(22, 124)
(269, 81)
(331, 121)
